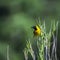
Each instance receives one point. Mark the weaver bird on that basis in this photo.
(37, 30)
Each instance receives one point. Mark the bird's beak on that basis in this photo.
(32, 27)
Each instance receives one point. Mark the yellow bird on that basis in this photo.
(37, 30)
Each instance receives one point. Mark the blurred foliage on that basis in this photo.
(16, 19)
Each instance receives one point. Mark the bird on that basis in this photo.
(37, 30)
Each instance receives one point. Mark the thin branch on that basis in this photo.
(8, 52)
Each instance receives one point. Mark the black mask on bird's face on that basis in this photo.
(34, 27)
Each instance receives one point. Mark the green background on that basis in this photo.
(16, 19)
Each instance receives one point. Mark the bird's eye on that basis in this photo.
(34, 27)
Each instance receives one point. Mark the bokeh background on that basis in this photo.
(16, 19)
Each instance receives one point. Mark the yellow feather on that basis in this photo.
(37, 30)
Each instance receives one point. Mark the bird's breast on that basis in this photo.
(37, 32)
